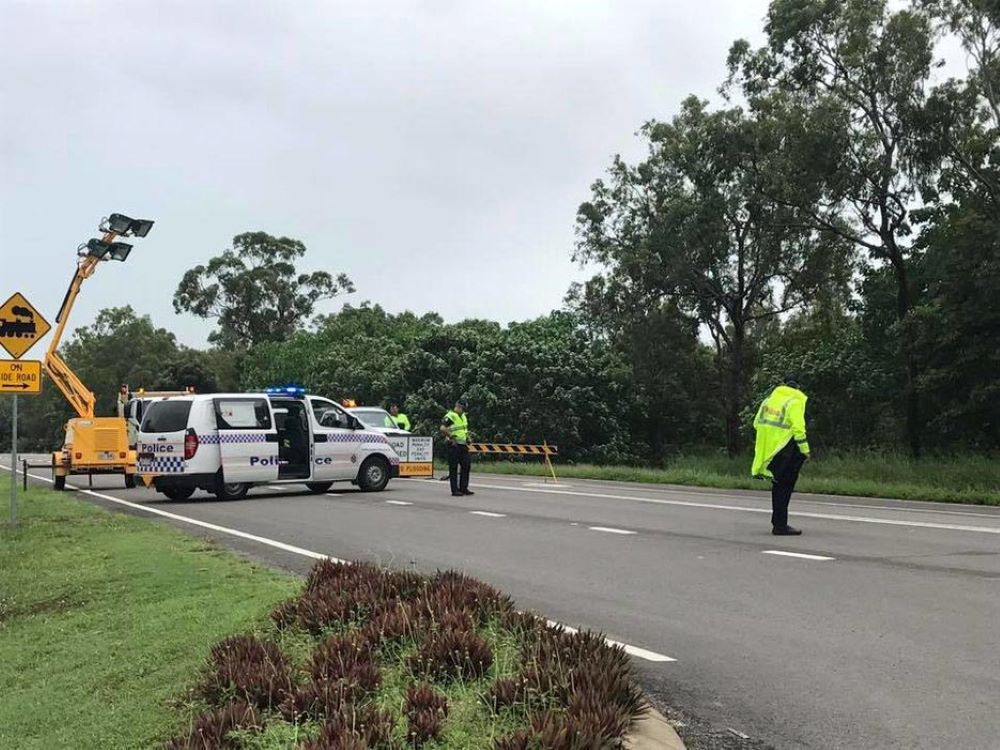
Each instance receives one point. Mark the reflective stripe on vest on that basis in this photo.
(779, 416)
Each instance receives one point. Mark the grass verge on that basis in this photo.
(104, 618)
(960, 479)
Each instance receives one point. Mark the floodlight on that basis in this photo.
(120, 250)
(126, 225)
(117, 223)
(97, 249)
(141, 227)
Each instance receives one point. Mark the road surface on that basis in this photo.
(878, 628)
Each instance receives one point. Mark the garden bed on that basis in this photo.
(366, 657)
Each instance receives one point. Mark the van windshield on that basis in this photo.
(166, 416)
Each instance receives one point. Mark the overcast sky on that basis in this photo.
(435, 151)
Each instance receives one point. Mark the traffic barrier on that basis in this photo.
(513, 449)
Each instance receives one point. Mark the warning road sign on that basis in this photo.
(21, 325)
(22, 377)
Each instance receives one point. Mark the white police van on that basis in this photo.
(225, 443)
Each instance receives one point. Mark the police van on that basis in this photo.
(227, 443)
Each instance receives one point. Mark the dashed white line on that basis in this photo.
(803, 555)
(745, 509)
(610, 530)
(397, 502)
(487, 514)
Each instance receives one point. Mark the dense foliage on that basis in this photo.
(838, 218)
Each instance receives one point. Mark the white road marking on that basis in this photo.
(943, 509)
(635, 651)
(803, 555)
(194, 522)
(744, 509)
(609, 530)
(487, 514)
(630, 650)
(398, 502)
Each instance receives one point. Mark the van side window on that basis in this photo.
(327, 413)
(242, 414)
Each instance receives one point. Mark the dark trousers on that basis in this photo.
(458, 458)
(785, 467)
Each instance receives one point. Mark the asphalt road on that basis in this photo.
(888, 636)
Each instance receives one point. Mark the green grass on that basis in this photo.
(105, 621)
(960, 479)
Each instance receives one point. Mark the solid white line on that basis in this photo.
(546, 484)
(744, 509)
(398, 502)
(194, 522)
(609, 530)
(639, 653)
(803, 555)
(487, 514)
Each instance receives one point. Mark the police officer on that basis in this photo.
(455, 427)
(781, 448)
(402, 421)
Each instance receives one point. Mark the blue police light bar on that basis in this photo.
(286, 390)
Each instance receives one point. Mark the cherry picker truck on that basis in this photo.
(93, 445)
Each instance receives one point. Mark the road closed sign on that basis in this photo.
(21, 325)
(416, 455)
(22, 377)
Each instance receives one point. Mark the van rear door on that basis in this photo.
(248, 439)
(160, 442)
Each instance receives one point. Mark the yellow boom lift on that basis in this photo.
(93, 445)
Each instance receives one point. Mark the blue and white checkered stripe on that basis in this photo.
(161, 465)
(227, 437)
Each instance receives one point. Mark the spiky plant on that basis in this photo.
(246, 668)
(452, 654)
(209, 730)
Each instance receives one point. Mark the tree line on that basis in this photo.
(837, 217)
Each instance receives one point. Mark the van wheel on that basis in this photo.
(374, 474)
(231, 490)
(129, 481)
(177, 493)
(319, 487)
(59, 483)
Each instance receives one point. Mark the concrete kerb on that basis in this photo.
(653, 732)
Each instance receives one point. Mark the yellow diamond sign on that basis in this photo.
(21, 325)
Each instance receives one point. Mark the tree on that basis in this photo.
(849, 76)
(120, 347)
(255, 292)
(692, 225)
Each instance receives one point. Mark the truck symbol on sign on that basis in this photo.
(18, 328)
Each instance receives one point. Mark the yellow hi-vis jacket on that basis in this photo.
(780, 418)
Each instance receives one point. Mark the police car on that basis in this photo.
(225, 443)
(375, 418)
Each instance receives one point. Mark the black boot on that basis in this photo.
(785, 531)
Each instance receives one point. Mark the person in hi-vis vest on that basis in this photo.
(781, 448)
(455, 427)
